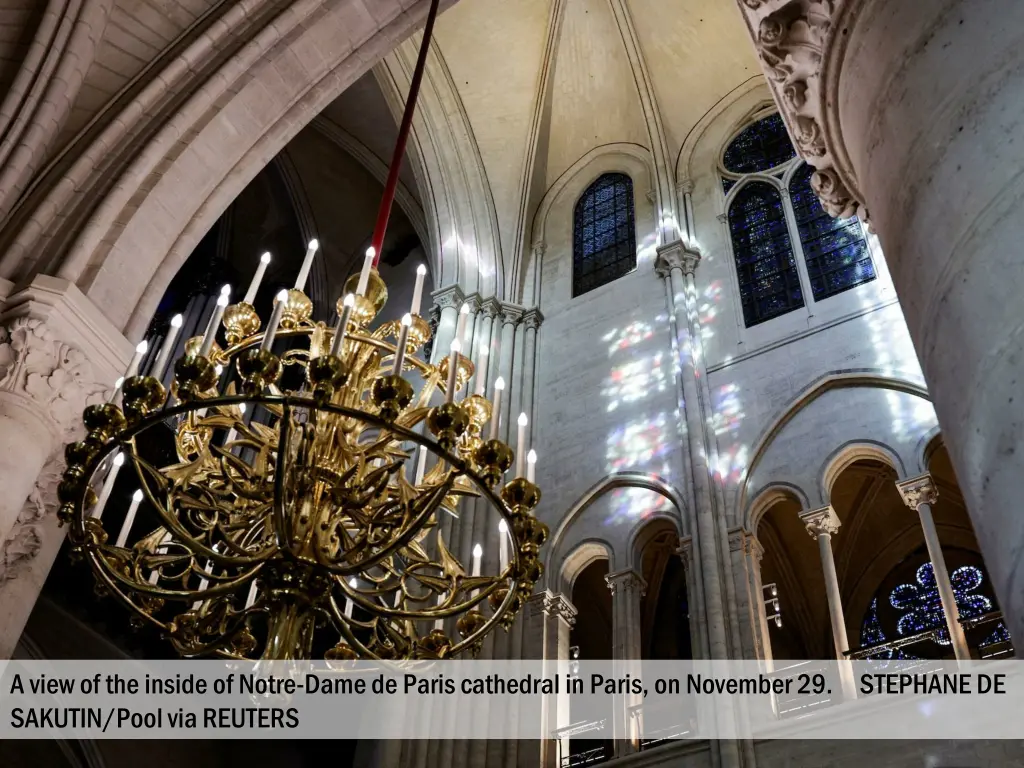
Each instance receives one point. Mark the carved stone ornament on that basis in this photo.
(532, 319)
(57, 376)
(558, 605)
(918, 490)
(624, 582)
(835, 197)
(448, 297)
(26, 536)
(821, 522)
(676, 255)
(791, 38)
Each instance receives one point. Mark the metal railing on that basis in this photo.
(995, 650)
(587, 757)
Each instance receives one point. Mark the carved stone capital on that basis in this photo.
(918, 490)
(685, 552)
(532, 319)
(511, 314)
(685, 186)
(56, 354)
(821, 522)
(539, 248)
(793, 39)
(448, 297)
(624, 582)
(558, 606)
(490, 308)
(676, 255)
(742, 540)
(474, 302)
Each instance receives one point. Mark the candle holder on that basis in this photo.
(260, 526)
(463, 373)
(240, 321)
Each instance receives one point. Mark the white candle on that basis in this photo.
(254, 286)
(478, 553)
(521, 445)
(307, 262)
(160, 366)
(211, 329)
(460, 328)
(275, 320)
(499, 387)
(417, 291)
(364, 276)
(122, 537)
(421, 466)
(349, 605)
(339, 332)
(439, 623)
(481, 370)
(225, 290)
(108, 485)
(117, 389)
(503, 543)
(403, 338)
(154, 577)
(133, 365)
(252, 595)
(531, 466)
(453, 369)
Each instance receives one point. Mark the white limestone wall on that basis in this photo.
(606, 389)
(763, 375)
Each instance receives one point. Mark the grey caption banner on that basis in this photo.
(645, 700)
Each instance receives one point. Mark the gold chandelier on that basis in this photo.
(306, 530)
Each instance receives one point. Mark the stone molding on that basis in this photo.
(821, 522)
(793, 39)
(448, 297)
(918, 490)
(622, 582)
(676, 255)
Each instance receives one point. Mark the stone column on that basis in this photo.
(547, 620)
(510, 316)
(939, 170)
(58, 354)
(671, 264)
(746, 563)
(822, 524)
(920, 493)
(532, 320)
(628, 589)
(448, 300)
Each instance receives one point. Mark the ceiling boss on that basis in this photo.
(291, 521)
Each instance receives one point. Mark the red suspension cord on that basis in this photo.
(388, 199)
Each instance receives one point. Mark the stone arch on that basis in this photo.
(828, 382)
(583, 555)
(642, 531)
(619, 555)
(121, 238)
(852, 452)
(768, 497)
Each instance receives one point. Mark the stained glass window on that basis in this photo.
(835, 250)
(769, 284)
(760, 147)
(604, 238)
(918, 607)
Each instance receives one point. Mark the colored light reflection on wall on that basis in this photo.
(633, 381)
(639, 445)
